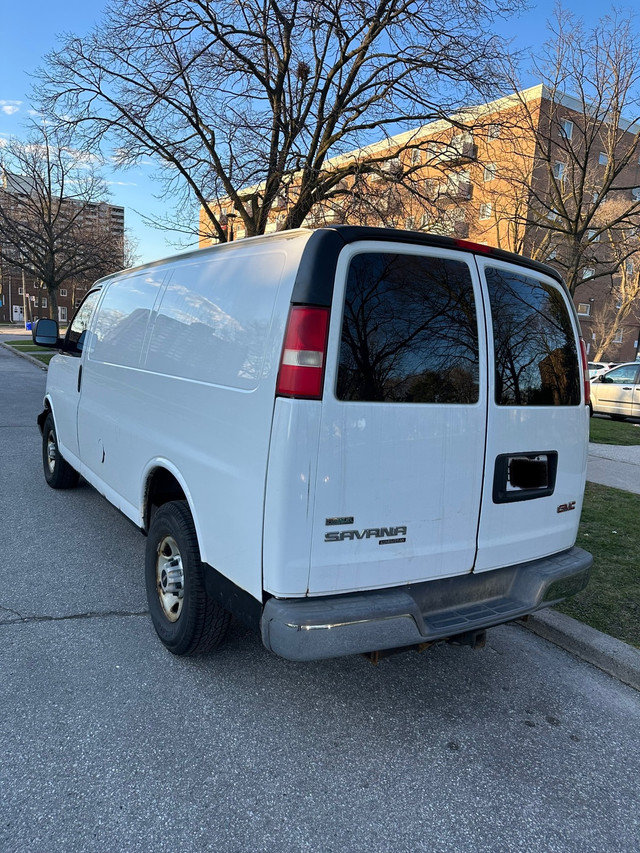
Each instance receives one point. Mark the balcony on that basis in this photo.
(459, 151)
(458, 190)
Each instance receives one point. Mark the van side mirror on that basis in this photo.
(45, 333)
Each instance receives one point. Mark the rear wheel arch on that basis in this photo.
(162, 486)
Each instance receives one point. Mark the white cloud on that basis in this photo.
(122, 183)
(10, 107)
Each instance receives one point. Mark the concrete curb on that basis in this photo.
(600, 650)
(25, 355)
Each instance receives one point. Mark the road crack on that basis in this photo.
(16, 618)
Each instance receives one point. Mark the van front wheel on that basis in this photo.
(57, 472)
(187, 621)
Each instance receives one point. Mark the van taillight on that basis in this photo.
(585, 368)
(303, 354)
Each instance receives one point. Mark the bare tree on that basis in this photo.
(50, 226)
(580, 183)
(243, 103)
(619, 311)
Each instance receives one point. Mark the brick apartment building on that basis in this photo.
(499, 180)
(23, 298)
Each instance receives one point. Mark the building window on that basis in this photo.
(588, 348)
(566, 128)
(416, 157)
(431, 187)
(584, 309)
(593, 236)
(34, 300)
(493, 131)
(635, 193)
(618, 337)
(603, 158)
(45, 302)
(558, 170)
(490, 171)
(63, 291)
(629, 267)
(424, 220)
(410, 223)
(588, 272)
(62, 314)
(485, 211)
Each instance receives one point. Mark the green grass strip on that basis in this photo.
(609, 530)
(606, 431)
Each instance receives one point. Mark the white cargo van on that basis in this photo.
(351, 439)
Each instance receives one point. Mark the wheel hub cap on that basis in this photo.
(170, 578)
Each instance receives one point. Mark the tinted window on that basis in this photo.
(409, 331)
(536, 359)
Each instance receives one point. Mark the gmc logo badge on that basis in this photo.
(567, 507)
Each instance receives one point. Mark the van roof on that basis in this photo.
(324, 244)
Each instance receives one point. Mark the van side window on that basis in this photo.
(536, 361)
(409, 331)
(76, 334)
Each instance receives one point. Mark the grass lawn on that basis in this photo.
(606, 431)
(26, 345)
(609, 529)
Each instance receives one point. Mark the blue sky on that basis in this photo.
(29, 31)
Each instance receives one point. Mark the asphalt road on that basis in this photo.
(111, 744)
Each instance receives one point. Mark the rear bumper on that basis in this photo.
(315, 628)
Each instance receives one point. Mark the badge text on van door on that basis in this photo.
(387, 535)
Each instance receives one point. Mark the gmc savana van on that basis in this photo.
(351, 439)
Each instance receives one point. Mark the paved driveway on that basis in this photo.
(111, 744)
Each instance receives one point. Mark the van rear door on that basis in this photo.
(537, 419)
(403, 421)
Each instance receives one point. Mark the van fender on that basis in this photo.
(48, 407)
(152, 466)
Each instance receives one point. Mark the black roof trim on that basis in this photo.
(316, 273)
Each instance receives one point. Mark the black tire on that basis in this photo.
(590, 410)
(186, 619)
(618, 417)
(57, 472)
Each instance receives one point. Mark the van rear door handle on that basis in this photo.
(79, 378)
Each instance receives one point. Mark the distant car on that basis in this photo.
(616, 392)
(598, 367)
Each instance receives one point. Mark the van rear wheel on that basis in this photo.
(57, 472)
(186, 619)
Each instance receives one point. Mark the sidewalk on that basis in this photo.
(612, 465)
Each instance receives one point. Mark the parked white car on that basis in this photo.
(352, 439)
(617, 392)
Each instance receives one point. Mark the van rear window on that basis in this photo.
(536, 358)
(409, 331)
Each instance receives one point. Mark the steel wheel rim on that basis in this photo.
(170, 578)
(52, 451)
